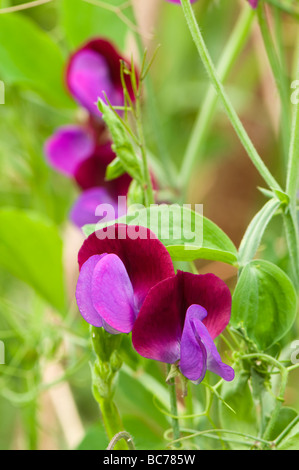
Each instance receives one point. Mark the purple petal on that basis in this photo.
(68, 148)
(89, 79)
(113, 295)
(95, 205)
(158, 328)
(253, 3)
(83, 292)
(94, 68)
(195, 337)
(193, 354)
(146, 259)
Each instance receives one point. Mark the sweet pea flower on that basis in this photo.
(94, 71)
(75, 152)
(179, 320)
(118, 267)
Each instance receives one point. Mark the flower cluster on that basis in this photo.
(127, 283)
(83, 151)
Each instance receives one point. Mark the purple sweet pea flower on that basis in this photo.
(117, 272)
(73, 151)
(95, 70)
(178, 321)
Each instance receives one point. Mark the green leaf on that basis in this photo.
(290, 443)
(82, 21)
(28, 56)
(188, 235)
(94, 439)
(264, 303)
(122, 144)
(31, 250)
(286, 416)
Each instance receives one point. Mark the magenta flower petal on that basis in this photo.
(112, 294)
(83, 292)
(90, 80)
(198, 351)
(94, 70)
(253, 3)
(94, 205)
(68, 147)
(146, 259)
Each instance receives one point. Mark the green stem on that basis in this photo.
(230, 111)
(292, 186)
(284, 7)
(104, 373)
(122, 435)
(224, 431)
(203, 121)
(279, 76)
(280, 398)
(148, 189)
(286, 431)
(174, 408)
(293, 166)
(112, 422)
(255, 231)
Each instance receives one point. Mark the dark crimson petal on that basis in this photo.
(211, 293)
(158, 328)
(193, 354)
(91, 172)
(112, 294)
(68, 147)
(146, 259)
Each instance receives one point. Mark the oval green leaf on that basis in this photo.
(264, 303)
